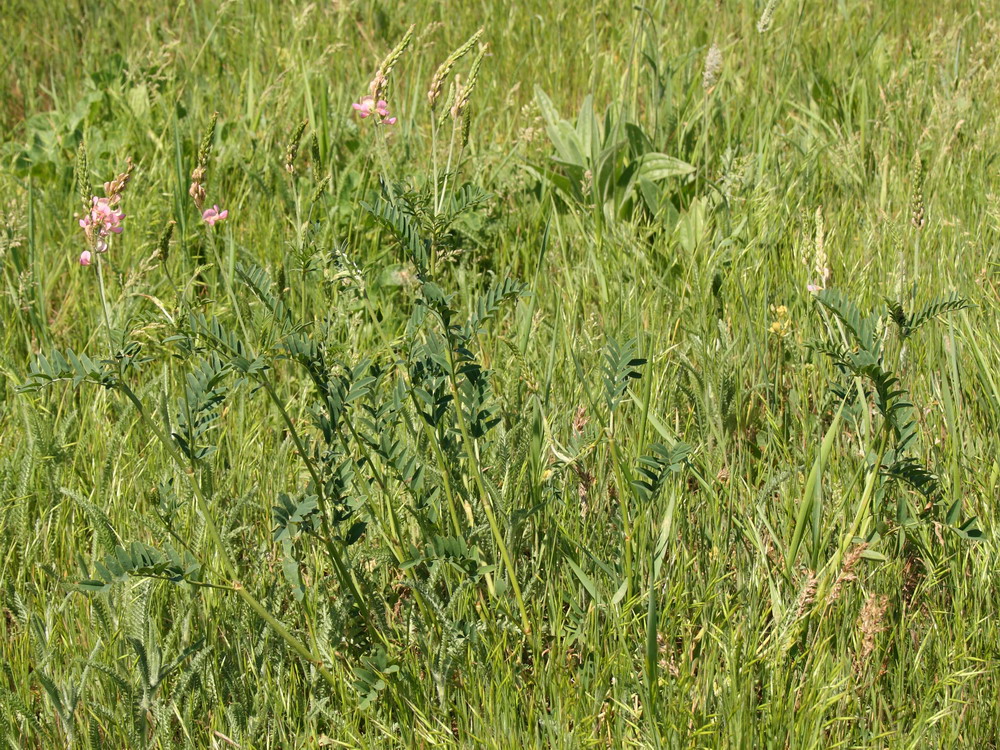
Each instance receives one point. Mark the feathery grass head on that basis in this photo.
(766, 17)
(713, 66)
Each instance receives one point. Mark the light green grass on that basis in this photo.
(697, 613)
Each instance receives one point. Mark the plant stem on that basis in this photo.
(104, 305)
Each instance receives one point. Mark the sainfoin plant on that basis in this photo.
(396, 446)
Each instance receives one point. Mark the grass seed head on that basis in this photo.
(713, 66)
(445, 68)
(871, 622)
(292, 149)
(917, 211)
(767, 17)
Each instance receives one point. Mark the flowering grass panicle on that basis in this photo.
(713, 66)
(766, 17)
(820, 261)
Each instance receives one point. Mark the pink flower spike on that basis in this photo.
(85, 258)
(212, 215)
(382, 107)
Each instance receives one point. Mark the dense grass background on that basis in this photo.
(689, 620)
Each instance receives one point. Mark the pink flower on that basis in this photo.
(814, 288)
(102, 221)
(212, 215)
(365, 106)
(368, 106)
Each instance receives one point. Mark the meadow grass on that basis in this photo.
(553, 421)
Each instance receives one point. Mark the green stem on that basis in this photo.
(104, 306)
(866, 497)
(623, 503)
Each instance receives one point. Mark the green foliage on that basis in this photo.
(618, 369)
(863, 359)
(370, 462)
(610, 166)
(909, 324)
(140, 560)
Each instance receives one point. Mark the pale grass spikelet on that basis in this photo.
(455, 95)
(317, 160)
(791, 625)
(918, 217)
(446, 67)
(292, 149)
(767, 17)
(821, 259)
(713, 66)
(13, 226)
(808, 594)
(821, 265)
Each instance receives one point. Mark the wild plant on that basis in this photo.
(901, 497)
(609, 167)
